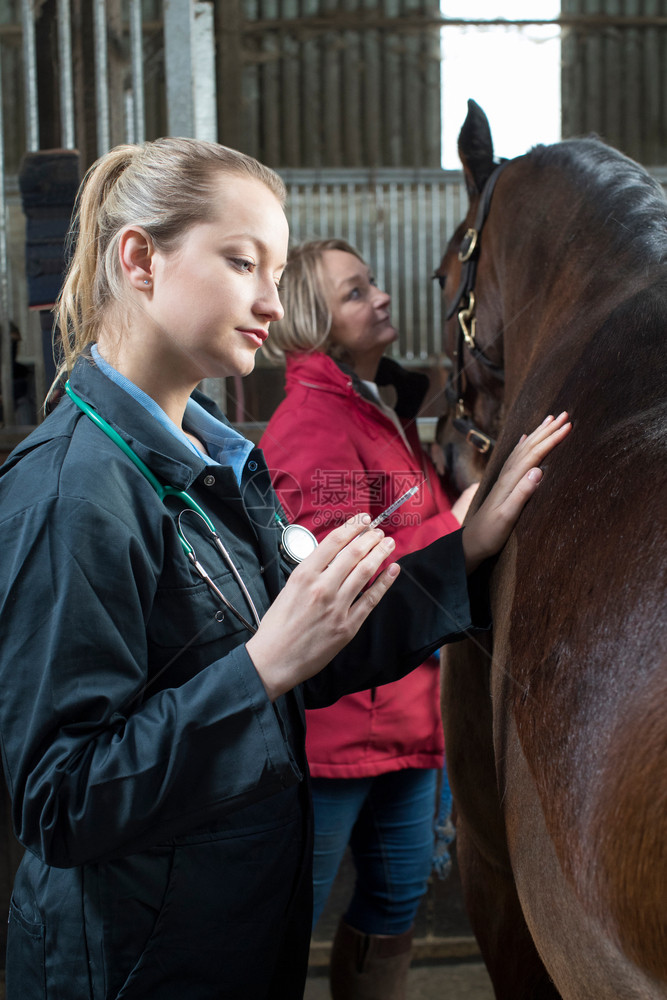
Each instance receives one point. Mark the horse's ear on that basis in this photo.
(476, 149)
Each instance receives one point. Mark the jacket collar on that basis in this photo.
(317, 371)
(170, 460)
(167, 458)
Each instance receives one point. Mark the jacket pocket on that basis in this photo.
(193, 614)
(127, 899)
(227, 903)
(25, 972)
(187, 630)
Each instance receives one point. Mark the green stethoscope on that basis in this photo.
(296, 543)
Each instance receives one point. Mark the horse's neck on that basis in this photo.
(557, 293)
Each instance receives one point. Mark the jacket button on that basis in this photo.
(209, 480)
(252, 466)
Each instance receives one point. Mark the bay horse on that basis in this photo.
(555, 288)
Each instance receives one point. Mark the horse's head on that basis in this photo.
(473, 324)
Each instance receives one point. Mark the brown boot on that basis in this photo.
(369, 966)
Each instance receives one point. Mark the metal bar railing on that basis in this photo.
(30, 75)
(101, 77)
(137, 63)
(67, 138)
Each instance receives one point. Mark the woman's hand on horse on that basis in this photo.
(489, 527)
(319, 610)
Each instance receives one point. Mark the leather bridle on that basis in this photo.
(464, 304)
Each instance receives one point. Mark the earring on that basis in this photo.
(146, 281)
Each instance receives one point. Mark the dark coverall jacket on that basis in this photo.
(161, 797)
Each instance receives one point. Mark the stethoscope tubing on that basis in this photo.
(217, 541)
(164, 491)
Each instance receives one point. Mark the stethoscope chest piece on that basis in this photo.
(297, 543)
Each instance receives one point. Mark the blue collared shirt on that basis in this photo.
(224, 445)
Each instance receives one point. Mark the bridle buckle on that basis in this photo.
(475, 437)
(480, 441)
(468, 321)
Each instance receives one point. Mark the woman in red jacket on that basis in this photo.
(335, 448)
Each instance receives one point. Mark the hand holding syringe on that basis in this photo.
(394, 506)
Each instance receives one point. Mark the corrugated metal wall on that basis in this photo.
(614, 80)
(330, 82)
(400, 222)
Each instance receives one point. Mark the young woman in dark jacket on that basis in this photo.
(156, 655)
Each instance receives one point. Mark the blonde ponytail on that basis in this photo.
(81, 300)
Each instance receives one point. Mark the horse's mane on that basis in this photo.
(614, 189)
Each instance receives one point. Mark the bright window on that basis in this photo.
(513, 72)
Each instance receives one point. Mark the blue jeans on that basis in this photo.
(388, 822)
